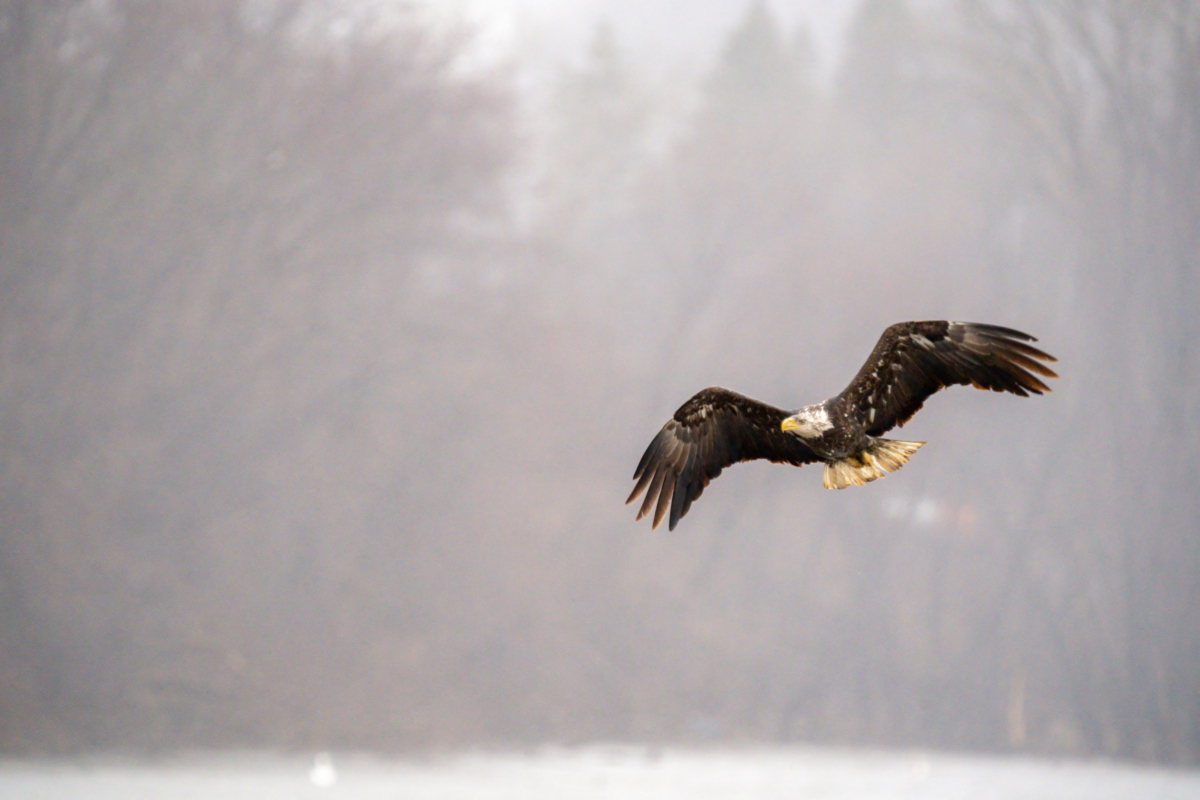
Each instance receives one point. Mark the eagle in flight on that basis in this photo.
(911, 361)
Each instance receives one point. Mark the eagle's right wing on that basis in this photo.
(912, 360)
(709, 432)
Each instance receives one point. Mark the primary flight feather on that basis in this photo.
(911, 361)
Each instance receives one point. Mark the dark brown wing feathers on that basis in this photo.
(709, 432)
(912, 360)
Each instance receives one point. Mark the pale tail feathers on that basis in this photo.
(882, 457)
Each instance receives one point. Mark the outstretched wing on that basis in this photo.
(714, 429)
(912, 360)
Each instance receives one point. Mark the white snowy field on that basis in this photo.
(628, 773)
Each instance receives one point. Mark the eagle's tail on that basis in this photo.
(881, 457)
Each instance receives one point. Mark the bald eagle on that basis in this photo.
(911, 361)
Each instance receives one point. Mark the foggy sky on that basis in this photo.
(659, 33)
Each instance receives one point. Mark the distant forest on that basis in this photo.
(328, 348)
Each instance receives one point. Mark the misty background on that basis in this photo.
(331, 333)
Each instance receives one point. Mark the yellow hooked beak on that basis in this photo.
(791, 424)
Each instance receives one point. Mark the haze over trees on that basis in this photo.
(326, 357)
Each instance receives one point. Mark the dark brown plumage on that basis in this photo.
(911, 361)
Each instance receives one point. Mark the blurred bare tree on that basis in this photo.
(216, 218)
(1101, 103)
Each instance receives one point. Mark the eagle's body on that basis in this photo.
(911, 361)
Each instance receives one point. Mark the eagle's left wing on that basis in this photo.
(912, 360)
(711, 431)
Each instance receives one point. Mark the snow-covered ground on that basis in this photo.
(596, 772)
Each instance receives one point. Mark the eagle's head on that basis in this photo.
(809, 422)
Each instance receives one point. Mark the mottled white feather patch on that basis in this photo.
(814, 421)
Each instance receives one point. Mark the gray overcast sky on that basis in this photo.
(659, 32)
